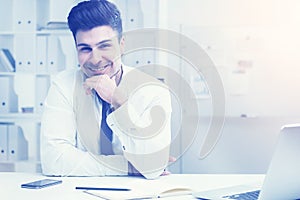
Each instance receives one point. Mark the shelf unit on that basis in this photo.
(39, 54)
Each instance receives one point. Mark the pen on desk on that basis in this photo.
(97, 188)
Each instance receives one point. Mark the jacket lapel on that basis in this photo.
(87, 123)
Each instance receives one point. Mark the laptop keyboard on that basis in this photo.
(244, 196)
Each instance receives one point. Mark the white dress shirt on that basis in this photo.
(62, 151)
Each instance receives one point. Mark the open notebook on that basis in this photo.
(144, 189)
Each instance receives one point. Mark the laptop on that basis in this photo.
(282, 180)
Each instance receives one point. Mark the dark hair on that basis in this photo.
(89, 14)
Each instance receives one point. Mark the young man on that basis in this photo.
(104, 118)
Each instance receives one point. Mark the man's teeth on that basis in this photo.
(97, 69)
(100, 68)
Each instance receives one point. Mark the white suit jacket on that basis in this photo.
(65, 152)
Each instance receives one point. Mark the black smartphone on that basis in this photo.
(41, 183)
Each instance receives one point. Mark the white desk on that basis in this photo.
(10, 185)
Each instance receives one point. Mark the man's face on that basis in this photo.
(99, 51)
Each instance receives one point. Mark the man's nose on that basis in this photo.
(95, 56)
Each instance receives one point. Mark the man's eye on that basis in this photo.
(103, 46)
(85, 49)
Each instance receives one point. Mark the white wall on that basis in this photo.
(264, 34)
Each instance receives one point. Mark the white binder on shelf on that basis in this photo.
(24, 18)
(41, 54)
(3, 142)
(134, 59)
(55, 55)
(17, 144)
(25, 52)
(8, 98)
(4, 94)
(38, 148)
(42, 86)
(69, 50)
(134, 16)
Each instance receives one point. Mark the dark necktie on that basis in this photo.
(105, 131)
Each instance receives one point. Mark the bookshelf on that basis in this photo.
(39, 53)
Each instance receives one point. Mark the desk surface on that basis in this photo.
(10, 184)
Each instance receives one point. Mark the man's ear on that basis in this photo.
(122, 45)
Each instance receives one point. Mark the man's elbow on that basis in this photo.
(51, 163)
(150, 166)
(50, 167)
(153, 175)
